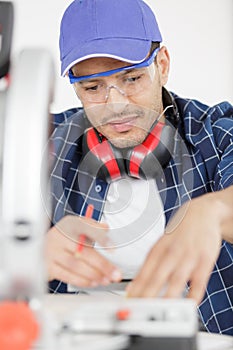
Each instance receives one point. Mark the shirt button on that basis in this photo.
(98, 188)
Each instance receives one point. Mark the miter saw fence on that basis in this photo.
(99, 322)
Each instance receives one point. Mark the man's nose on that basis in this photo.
(116, 99)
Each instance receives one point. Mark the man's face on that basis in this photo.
(124, 119)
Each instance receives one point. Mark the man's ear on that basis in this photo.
(163, 64)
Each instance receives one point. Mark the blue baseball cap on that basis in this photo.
(120, 29)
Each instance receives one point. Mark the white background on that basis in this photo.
(197, 33)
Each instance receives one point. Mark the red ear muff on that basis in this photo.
(147, 159)
(101, 159)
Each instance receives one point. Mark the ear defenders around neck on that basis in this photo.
(103, 160)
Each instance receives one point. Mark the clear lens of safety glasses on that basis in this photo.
(128, 83)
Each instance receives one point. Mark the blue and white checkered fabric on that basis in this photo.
(202, 162)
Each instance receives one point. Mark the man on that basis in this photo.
(137, 153)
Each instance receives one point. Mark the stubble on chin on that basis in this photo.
(128, 140)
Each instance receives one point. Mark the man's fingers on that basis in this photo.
(61, 273)
(179, 277)
(81, 268)
(86, 265)
(89, 268)
(73, 226)
(199, 280)
(156, 271)
(142, 281)
(100, 263)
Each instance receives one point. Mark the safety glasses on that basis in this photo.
(145, 63)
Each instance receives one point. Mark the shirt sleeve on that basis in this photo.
(223, 135)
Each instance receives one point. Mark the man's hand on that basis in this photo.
(89, 268)
(187, 251)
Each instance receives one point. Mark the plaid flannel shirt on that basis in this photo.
(202, 162)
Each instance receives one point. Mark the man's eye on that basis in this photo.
(133, 79)
(91, 88)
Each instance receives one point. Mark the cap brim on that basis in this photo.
(127, 50)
